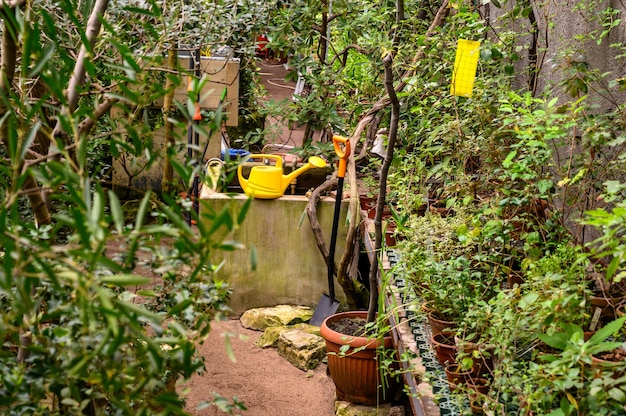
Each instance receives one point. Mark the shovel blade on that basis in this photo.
(324, 309)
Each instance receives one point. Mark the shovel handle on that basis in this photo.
(342, 149)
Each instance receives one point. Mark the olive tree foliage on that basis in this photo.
(101, 313)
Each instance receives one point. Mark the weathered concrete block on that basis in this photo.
(305, 351)
(290, 268)
(350, 409)
(262, 318)
(271, 334)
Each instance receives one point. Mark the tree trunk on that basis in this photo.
(382, 188)
(351, 288)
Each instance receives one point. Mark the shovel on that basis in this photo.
(328, 304)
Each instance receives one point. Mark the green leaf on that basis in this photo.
(28, 140)
(613, 186)
(557, 340)
(141, 212)
(229, 348)
(607, 330)
(231, 245)
(544, 185)
(612, 267)
(42, 61)
(508, 161)
(254, 261)
(244, 211)
(179, 307)
(133, 309)
(116, 211)
(617, 394)
(125, 280)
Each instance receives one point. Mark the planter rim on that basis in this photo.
(355, 342)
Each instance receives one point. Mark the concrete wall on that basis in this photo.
(563, 48)
(560, 27)
(290, 266)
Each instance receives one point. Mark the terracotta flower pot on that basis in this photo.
(439, 326)
(355, 372)
(476, 404)
(456, 375)
(609, 362)
(478, 384)
(390, 231)
(444, 347)
(481, 354)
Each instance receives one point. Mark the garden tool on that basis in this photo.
(328, 305)
(268, 181)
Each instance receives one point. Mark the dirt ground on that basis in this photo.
(267, 383)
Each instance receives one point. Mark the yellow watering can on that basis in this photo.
(267, 181)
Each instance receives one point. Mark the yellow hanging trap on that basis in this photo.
(465, 64)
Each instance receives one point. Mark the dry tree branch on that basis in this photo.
(354, 220)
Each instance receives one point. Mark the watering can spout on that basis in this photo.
(268, 182)
(314, 162)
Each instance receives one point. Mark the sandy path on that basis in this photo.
(267, 383)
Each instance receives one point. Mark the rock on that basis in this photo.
(303, 350)
(271, 334)
(261, 318)
(350, 409)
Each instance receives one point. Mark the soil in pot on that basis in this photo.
(354, 327)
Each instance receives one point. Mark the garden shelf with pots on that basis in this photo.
(425, 378)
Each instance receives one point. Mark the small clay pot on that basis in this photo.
(444, 347)
(478, 384)
(439, 326)
(456, 375)
(476, 404)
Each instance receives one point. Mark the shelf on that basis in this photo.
(427, 398)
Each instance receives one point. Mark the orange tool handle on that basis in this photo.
(197, 115)
(342, 149)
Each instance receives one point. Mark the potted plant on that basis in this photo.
(376, 331)
(519, 324)
(449, 269)
(354, 348)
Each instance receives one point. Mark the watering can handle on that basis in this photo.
(342, 149)
(278, 159)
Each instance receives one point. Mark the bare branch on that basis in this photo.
(100, 110)
(92, 32)
(78, 75)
